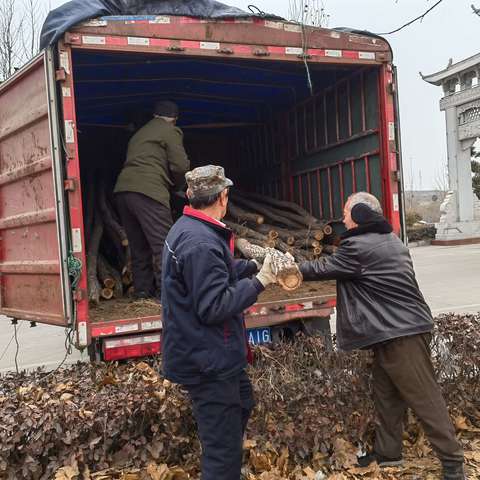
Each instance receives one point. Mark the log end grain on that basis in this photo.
(327, 229)
(291, 281)
(109, 283)
(106, 293)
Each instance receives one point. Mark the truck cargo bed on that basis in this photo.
(127, 308)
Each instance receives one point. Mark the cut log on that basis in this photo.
(109, 282)
(268, 212)
(301, 217)
(286, 270)
(239, 215)
(94, 288)
(327, 229)
(284, 205)
(113, 229)
(110, 277)
(317, 234)
(106, 293)
(249, 250)
(253, 235)
(290, 236)
(272, 234)
(317, 251)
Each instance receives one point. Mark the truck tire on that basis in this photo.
(286, 332)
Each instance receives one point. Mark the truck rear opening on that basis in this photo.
(253, 117)
(247, 104)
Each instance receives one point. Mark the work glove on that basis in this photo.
(266, 276)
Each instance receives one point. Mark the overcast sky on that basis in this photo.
(449, 31)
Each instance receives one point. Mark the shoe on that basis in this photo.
(368, 459)
(453, 471)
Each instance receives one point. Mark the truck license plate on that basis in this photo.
(259, 336)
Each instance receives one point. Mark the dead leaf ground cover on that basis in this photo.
(314, 415)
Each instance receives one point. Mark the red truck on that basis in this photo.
(312, 116)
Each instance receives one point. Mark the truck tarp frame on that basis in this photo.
(66, 16)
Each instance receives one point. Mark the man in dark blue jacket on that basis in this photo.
(380, 307)
(205, 292)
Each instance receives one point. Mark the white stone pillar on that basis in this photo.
(452, 147)
(464, 181)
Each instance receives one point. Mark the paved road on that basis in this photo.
(449, 278)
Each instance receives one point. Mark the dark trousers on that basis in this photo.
(146, 224)
(403, 376)
(222, 409)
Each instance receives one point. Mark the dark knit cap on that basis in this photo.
(363, 214)
(166, 109)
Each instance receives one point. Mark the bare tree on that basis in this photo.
(309, 12)
(10, 37)
(20, 22)
(33, 16)
(441, 181)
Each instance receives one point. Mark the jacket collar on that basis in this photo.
(192, 212)
(382, 227)
(217, 224)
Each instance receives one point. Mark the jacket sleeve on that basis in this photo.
(178, 162)
(245, 268)
(341, 265)
(207, 279)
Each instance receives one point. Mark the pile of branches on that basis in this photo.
(314, 414)
(109, 271)
(268, 222)
(417, 233)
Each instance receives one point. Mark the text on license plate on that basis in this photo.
(259, 336)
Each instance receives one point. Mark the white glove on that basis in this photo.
(266, 276)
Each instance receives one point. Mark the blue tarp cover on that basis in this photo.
(71, 13)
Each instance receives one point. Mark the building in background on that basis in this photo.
(460, 211)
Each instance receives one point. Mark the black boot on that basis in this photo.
(453, 471)
(368, 459)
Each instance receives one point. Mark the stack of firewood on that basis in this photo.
(282, 225)
(109, 273)
(263, 221)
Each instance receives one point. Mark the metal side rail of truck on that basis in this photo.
(309, 115)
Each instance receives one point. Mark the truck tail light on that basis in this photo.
(131, 347)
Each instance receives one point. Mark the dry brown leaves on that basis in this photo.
(314, 415)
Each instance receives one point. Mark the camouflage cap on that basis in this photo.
(207, 180)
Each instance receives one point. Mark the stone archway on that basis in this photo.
(460, 220)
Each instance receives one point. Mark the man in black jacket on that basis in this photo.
(380, 307)
(204, 344)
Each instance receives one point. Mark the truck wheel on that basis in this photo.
(95, 351)
(285, 333)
